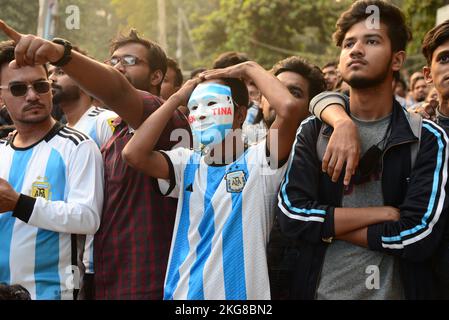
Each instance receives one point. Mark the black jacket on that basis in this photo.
(307, 199)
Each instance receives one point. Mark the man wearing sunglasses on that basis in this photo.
(375, 237)
(51, 188)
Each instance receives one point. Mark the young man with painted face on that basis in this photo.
(375, 238)
(51, 188)
(132, 244)
(225, 191)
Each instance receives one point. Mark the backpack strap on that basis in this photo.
(415, 121)
(321, 145)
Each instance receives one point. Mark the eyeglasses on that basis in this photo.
(127, 60)
(20, 89)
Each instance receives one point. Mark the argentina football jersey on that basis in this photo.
(60, 179)
(224, 217)
(97, 124)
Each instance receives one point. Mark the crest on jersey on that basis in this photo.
(41, 188)
(111, 125)
(235, 181)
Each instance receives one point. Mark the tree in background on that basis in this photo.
(98, 25)
(21, 15)
(270, 30)
(421, 16)
(266, 30)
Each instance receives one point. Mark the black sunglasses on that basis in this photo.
(20, 89)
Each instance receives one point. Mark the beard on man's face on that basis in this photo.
(364, 82)
(67, 94)
(41, 114)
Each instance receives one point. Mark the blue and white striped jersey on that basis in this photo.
(97, 124)
(60, 180)
(222, 227)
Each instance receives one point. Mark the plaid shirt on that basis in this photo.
(133, 242)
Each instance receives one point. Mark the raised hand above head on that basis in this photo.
(30, 49)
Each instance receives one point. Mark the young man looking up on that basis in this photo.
(391, 217)
(435, 48)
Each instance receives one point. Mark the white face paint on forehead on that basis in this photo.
(211, 113)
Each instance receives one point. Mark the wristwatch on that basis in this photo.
(67, 56)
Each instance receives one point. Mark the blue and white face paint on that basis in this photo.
(211, 113)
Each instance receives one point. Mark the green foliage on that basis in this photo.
(266, 30)
(270, 30)
(98, 25)
(421, 15)
(21, 15)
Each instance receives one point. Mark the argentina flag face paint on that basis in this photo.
(211, 113)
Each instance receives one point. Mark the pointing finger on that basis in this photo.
(10, 32)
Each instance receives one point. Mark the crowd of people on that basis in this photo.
(120, 180)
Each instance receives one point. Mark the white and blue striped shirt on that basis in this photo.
(97, 124)
(223, 221)
(61, 177)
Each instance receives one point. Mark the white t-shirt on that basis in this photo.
(222, 227)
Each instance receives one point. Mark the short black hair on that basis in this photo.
(433, 39)
(414, 81)
(230, 58)
(330, 64)
(172, 64)
(7, 54)
(398, 32)
(196, 72)
(13, 292)
(302, 67)
(157, 59)
(239, 91)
